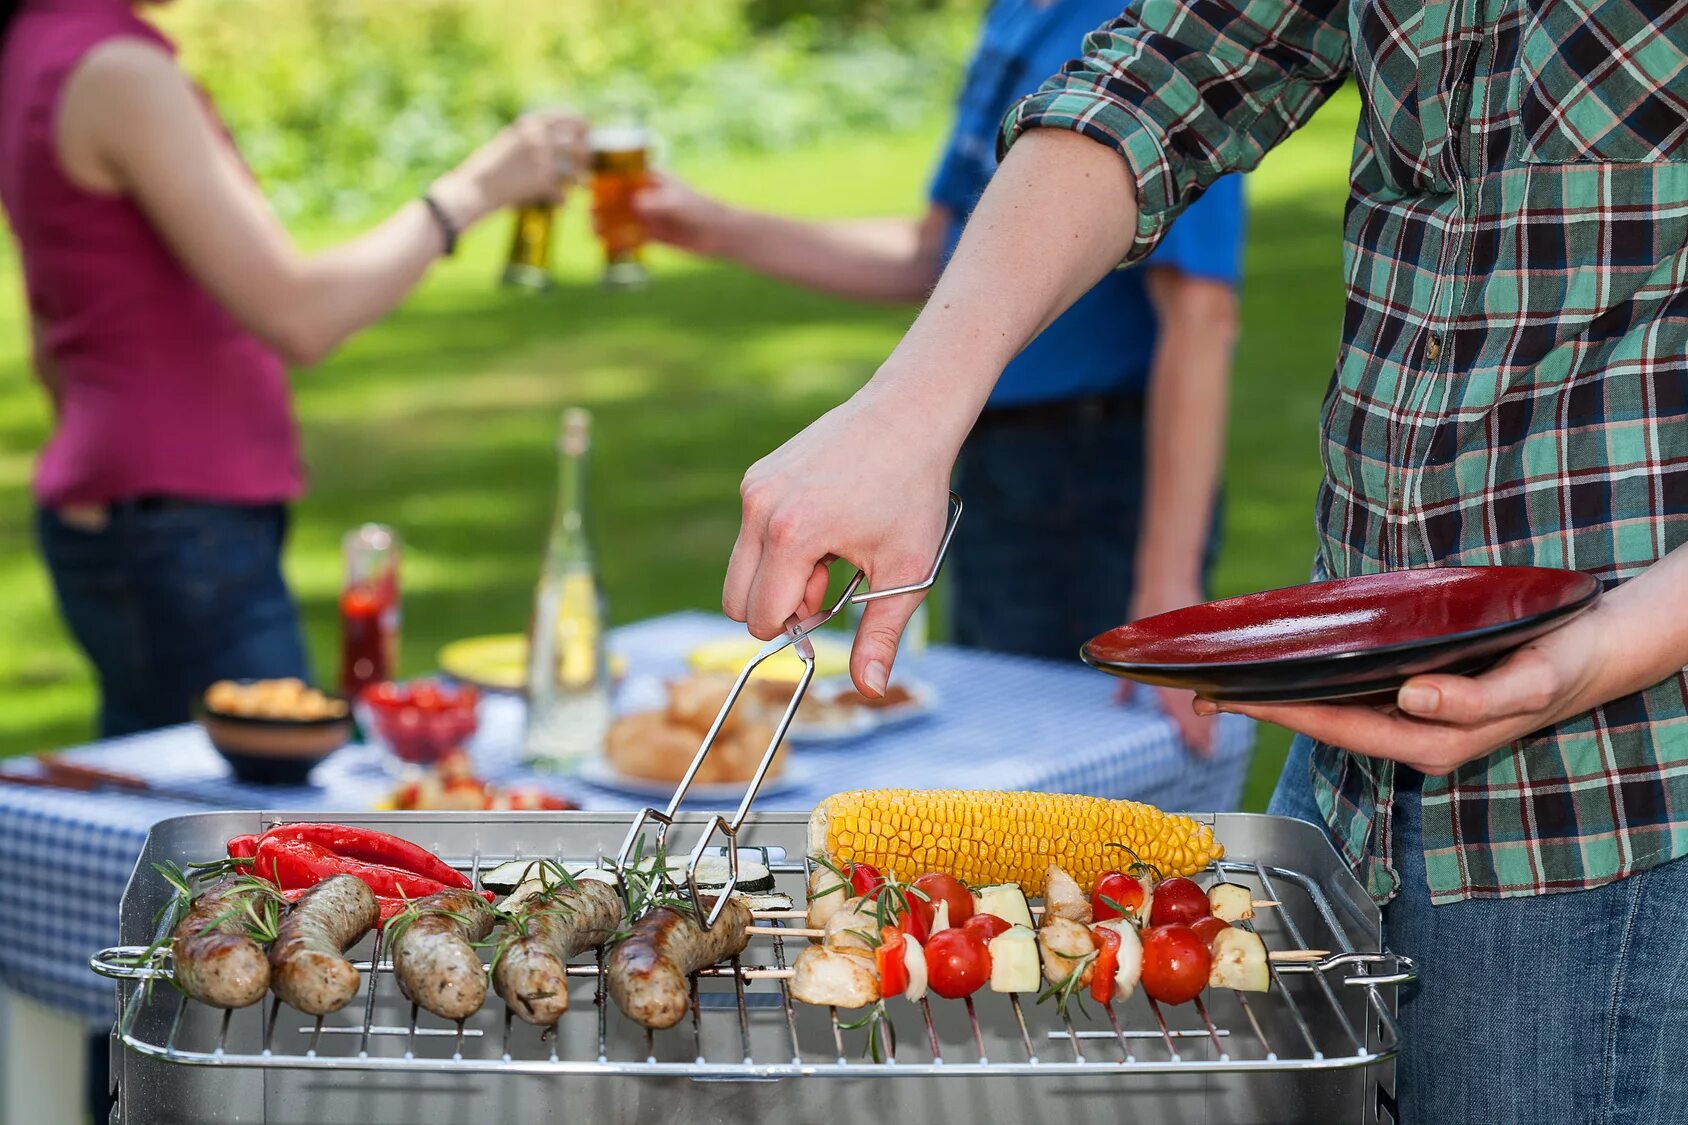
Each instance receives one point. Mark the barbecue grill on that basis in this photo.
(1314, 1048)
(1310, 1049)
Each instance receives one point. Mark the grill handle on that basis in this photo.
(1400, 968)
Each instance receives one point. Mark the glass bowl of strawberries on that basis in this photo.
(420, 722)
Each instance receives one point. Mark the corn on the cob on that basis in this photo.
(985, 836)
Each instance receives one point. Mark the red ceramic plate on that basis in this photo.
(1345, 638)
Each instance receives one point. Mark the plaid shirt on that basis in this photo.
(1511, 386)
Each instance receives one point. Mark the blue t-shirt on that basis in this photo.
(1103, 344)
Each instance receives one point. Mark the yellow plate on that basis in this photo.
(499, 662)
(831, 659)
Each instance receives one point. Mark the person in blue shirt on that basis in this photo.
(1091, 479)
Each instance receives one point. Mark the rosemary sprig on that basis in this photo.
(555, 883)
(1118, 907)
(1138, 868)
(399, 924)
(1062, 991)
(843, 883)
(879, 1031)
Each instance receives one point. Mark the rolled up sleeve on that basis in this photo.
(1188, 90)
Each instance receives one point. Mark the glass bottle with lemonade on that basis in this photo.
(567, 675)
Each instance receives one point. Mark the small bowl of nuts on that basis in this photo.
(273, 732)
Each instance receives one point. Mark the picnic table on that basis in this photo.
(1000, 722)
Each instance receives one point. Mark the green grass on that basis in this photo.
(440, 420)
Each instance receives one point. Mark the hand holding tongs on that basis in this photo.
(796, 633)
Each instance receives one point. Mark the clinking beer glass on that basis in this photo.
(620, 163)
(529, 265)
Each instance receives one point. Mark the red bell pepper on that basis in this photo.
(294, 864)
(1106, 964)
(243, 847)
(388, 906)
(371, 847)
(888, 959)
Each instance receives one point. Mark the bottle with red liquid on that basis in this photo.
(369, 608)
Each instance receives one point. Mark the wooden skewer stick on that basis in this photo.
(1288, 956)
(784, 915)
(783, 931)
(1296, 956)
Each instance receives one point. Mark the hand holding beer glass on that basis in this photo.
(620, 168)
(529, 264)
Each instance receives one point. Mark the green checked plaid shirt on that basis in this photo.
(1512, 385)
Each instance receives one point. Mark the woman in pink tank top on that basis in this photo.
(166, 302)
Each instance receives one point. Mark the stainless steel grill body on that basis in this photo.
(1314, 1049)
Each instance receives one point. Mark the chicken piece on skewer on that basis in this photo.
(1064, 898)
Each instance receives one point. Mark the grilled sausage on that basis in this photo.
(531, 973)
(434, 958)
(308, 965)
(649, 971)
(220, 965)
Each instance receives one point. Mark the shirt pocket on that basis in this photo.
(1603, 81)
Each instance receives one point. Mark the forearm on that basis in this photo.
(339, 291)
(1641, 630)
(1057, 216)
(863, 259)
(1184, 450)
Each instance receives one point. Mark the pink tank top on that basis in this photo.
(159, 391)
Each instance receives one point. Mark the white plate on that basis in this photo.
(866, 720)
(596, 771)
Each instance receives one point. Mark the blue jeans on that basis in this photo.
(1562, 1008)
(1045, 556)
(171, 596)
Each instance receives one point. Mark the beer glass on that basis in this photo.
(529, 264)
(620, 161)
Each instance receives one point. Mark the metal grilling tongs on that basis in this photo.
(796, 633)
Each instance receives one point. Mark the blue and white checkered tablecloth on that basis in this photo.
(1001, 722)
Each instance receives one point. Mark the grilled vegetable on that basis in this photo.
(914, 963)
(509, 876)
(1014, 965)
(1106, 940)
(1127, 955)
(1177, 900)
(1118, 895)
(889, 959)
(1007, 901)
(1231, 901)
(1063, 897)
(766, 900)
(372, 847)
(1175, 963)
(942, 891)
(981, 836)
(1209, 928)
(957, 963)
(713, 872)
(1239, 962)
(987, 926)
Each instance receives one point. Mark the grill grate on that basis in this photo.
(745, 1024)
